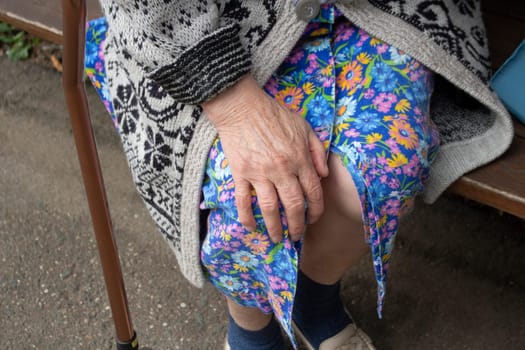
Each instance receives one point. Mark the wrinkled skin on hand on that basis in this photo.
(273, 151)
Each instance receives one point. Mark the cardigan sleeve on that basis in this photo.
(185, 46)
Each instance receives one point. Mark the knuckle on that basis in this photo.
(295, 206)
(315, 191)
(268, 206)
(243, 200)
(280, 162)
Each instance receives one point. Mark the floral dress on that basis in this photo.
(368, 103)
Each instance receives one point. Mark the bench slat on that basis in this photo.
(500, 184)
(42, 18)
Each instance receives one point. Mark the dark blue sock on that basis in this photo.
(268, 338)
(318, 310)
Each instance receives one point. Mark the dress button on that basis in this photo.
(307, 10)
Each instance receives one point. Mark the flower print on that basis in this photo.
(400, 116)
(229, 282)
(276, 302)
(386, 82)
(225, 236)
(291, 97)
(322, 133)
(277, 283)
(397, 160)
(319, 31)
(393, 183)
(244, 261)
(296, 56)
(256, 241)
(312, 57)
(369, 93)
(308, 88)
(220, 167)
(344, 32)
(374, 137)
(317, 45)
(415, 75)
(352, 133)
(350, 76)
(403, 133)
(322, 110)
(384, 76)
(99, 66)
(412, 168)
(391, 206)
(420, 91)
(272, 86)
(380, 69)
(346, 107)
(375, 41)
(364, 58)
(286, 295)
(381, 49)
(398, 56)
(384, 101)
(236, 230)
(91, 55)
(402, 106)
(213, 152)
(328, 83)
(225, 196)
(391, 224)
(367, 121)
(101, 46)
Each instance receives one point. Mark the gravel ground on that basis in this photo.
(457, 278)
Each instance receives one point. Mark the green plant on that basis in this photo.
(18, 43)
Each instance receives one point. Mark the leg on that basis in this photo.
(331, 245)
(249, 318)
(335, 242)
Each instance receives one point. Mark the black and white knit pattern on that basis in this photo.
(164, 57)
(455, 25)
(193, 49)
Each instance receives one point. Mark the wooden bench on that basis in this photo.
(500, 184)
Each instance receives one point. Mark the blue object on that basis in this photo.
(509, 83)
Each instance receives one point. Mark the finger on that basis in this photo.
(268, 202)
(318, 154)
(313, 192)
(292, 198)
(243, 201)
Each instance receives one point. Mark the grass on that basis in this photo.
(16, 43)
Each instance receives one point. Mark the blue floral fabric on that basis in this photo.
(368, 102)
(94, 62)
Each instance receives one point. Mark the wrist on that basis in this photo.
(226, 107)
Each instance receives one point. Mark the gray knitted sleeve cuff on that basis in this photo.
(205, 69)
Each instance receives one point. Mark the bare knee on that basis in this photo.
(341, 193)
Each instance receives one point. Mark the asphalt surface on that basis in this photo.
(456, 281)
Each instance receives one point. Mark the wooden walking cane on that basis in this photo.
(74, 28)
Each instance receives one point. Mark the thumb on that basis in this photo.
(318, 154)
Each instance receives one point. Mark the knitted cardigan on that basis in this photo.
(166, 57)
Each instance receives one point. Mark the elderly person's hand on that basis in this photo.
(272, 150)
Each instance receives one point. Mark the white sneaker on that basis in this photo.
(350, 338)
